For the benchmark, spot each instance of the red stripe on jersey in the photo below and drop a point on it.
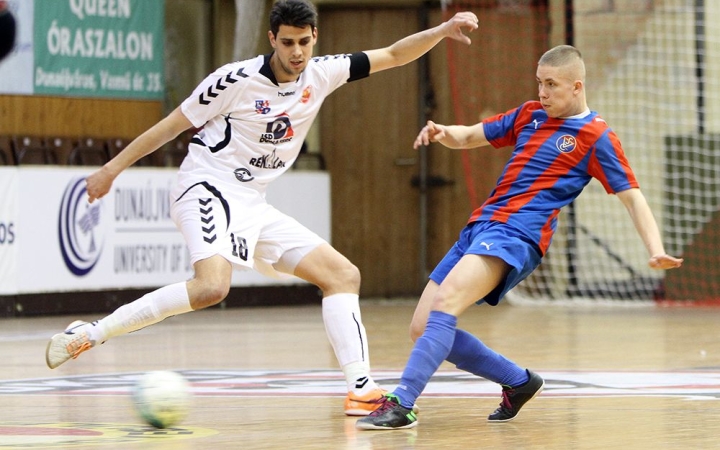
(514, 168)
(595, 170)
(546, 233)
(623, 160)
(563, 164)
(509, 139)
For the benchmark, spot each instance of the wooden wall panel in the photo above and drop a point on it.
(76, 117)
(366, 127)
(449, 205)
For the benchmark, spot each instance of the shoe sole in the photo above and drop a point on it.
(357, 412)
(364, 426)
(52, 339)
(47, 353)
(542, 386)
(365, 412)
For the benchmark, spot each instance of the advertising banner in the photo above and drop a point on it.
(59, 242)
(88, 48)
(8, 229)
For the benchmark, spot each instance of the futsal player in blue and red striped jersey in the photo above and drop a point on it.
(559, 146)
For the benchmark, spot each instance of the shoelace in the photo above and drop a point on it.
(74, 349)
(505, 403)
(387, 405)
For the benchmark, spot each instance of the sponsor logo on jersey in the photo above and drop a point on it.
(79, 229)
(244, 175)
(306, 93)
(566, 143)
(286, 94)
(278, 131)
(262, 106)
(271, 161)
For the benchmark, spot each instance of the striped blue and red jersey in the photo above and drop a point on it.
(552, 162)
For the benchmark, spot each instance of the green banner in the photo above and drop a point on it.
(99, 48)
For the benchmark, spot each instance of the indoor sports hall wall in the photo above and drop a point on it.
(641, 66)
(368, 128)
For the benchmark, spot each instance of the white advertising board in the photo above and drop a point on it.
(60, 242)
(8, 224)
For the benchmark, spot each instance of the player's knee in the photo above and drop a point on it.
(416, 330)
(352, 275)
(346, 278)
(211, 294)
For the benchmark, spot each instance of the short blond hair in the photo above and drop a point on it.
(564, 55)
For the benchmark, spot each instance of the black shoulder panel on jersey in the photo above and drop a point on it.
(266, 70)
(359, 66)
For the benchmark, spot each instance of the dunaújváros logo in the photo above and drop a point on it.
(81, 237)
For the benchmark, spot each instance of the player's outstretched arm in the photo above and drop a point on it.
(451, 136)
(414, 46)
(99, 182)
(647, 228)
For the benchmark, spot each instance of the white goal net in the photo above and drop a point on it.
(654, 76)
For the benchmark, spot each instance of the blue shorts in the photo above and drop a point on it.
(493, 239)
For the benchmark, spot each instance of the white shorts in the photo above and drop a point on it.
(243, 228)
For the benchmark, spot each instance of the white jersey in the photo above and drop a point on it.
(252, 127)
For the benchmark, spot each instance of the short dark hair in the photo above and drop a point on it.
(295, 13)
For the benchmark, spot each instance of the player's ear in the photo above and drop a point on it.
(578, 86)
(271, 38)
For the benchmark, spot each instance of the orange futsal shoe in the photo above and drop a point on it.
(363, 405)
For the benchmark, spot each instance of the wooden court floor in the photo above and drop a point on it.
(266, 378)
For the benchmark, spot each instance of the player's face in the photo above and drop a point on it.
(293, 49)
(559, 93)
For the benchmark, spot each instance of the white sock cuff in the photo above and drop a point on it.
(149, 309)
(175, 299)
(342, 303)
(341, 314)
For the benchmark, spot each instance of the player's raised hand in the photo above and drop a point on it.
(431, 132)
(453, 28)
(98, 184)
(665, 261)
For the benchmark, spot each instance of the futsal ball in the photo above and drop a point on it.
(161, 398)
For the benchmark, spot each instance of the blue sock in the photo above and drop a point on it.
(428, 353)
(468, 353)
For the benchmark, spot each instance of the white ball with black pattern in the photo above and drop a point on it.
(162, 398)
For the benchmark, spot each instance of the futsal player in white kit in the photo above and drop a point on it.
(253, 117)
